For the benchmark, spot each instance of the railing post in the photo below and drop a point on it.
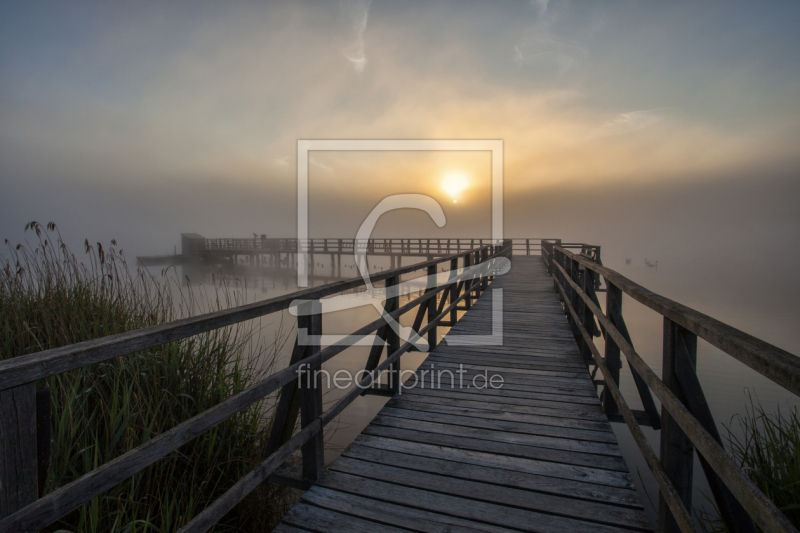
(432, 307)
(467, 281)
(453, 290)
(310, 384)
(18, 467)
(731, 511)
(572, 269)
(612, 351)
(586, 313)
(556, 243)
(392, 339)
(481, 277)
(677, 450)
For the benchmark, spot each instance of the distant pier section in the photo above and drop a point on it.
(281, 252)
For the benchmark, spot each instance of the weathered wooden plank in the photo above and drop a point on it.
(503, 437)
(397, 515)
(478, 403)
(524, 428)
(524, 499)
(319, 519)
(500, 448)
(491, 513)
(527, 418)
(551, 479)
(573, 410)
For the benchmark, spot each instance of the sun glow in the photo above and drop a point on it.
(454, 184)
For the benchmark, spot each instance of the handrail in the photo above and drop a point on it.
(726, 478)
(778, 365)
(21, 371)
(683, 516)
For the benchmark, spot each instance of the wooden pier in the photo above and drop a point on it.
(536, 454)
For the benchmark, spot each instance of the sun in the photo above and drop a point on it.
(454, 184)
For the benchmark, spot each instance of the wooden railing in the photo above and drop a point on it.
(325, 245)
(422, 246)
(23, 512)
(685, 421)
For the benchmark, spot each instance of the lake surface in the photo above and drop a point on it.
(732, 296)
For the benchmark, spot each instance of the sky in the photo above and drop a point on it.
(643, 126)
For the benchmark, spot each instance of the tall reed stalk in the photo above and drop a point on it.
(767, 446)
(50, 298)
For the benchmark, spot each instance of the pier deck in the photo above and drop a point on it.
(537, 454)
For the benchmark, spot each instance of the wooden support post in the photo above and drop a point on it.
(555, 257)
(285, 417)
(453, 290)
(310, 383)
(612, 351)
(479, 279)
(677, 450)
(467, 282)
(644, 391)
(392, 338)
(528, 246)
(18, 467)
(571, 267)
(731, 511)
(431, 307)
(484, 277)
(587, 315)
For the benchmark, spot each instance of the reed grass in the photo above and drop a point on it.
(49, 298)
(767, 447)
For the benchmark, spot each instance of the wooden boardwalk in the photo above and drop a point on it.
(537, 454)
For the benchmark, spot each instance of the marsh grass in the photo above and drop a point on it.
(49, 298)
(767, 447)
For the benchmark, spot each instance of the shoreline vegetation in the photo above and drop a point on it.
(767, 447)
(49, 297)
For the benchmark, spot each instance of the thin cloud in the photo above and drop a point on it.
(628, 122)
(540, 6)
(540, 48)
(356, 13)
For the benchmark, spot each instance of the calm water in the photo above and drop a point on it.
(768, 314)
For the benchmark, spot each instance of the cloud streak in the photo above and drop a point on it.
(628, 122)
(541, 49)
(356, 13)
